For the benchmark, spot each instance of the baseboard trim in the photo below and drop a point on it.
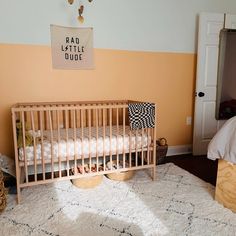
(179, 150)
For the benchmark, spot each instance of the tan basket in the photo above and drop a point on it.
(88, 182)
(121, 176)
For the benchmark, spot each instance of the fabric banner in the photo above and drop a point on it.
(72, 48)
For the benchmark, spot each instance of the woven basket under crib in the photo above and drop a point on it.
(88, 182)
(121, 176)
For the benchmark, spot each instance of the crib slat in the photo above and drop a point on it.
(24, 146)
(136, 147)
(75, 141)
(96, 123)
(34, 143)
(110, 128)
(51, 140)
(154, 150)
(117, 138)
(42, 145)
(154, 144)
(99, 116)
(104, 138)
(142, 162)
(89, 127)
(123, 137)
(67, 140)
(130, 146)
(77, 115)
(82, 139)
(59, 142)
(148, 147)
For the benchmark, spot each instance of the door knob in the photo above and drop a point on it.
(201, 94)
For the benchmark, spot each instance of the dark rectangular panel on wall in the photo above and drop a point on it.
(226, 78)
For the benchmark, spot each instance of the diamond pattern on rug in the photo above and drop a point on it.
(177, 203)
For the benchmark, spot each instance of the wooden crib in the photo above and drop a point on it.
(69, 140)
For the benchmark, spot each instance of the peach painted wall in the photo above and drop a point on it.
(164, 78)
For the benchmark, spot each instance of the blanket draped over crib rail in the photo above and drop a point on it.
(141, 115)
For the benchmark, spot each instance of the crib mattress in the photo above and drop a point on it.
(93, 143)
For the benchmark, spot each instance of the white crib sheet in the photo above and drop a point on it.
(89, 146)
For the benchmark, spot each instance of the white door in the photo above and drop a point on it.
(205, 124)
(230, 21)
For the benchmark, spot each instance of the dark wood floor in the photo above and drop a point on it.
(199, 166)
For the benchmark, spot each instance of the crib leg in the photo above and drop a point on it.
(18, 195)
(154, 173)
(18, 174)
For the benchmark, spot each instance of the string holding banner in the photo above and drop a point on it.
(72, 48)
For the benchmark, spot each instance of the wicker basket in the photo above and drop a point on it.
(161, 151)
(88, 182)
(121, 176)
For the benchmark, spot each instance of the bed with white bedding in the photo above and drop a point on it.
(223, 144)
(223, 147)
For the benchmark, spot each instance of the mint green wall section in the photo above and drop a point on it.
(142, 25)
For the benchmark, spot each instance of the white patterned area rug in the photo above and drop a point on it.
(177, 203)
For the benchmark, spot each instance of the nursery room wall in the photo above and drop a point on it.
(144, 50)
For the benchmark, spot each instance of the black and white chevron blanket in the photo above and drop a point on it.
(141, 115)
